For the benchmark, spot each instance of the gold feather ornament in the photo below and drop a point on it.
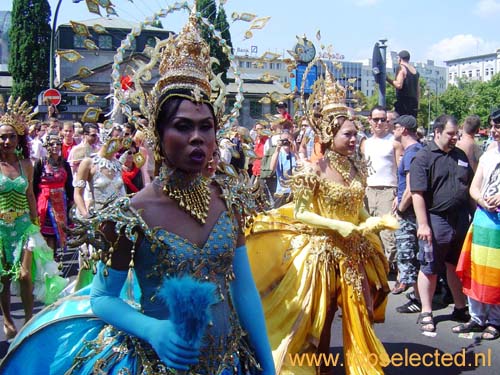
(18, 115)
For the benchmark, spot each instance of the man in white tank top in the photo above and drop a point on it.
(381, 152)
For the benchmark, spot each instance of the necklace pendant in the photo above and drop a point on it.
(193, 198)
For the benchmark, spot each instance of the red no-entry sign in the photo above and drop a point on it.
(52, 96)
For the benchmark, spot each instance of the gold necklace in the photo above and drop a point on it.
(341, 164)
(192, 196)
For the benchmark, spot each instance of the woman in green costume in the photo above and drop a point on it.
(25, 256)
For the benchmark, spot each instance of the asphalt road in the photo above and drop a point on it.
(402, 339)
(400, 335)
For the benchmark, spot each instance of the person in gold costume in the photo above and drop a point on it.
(322, 252)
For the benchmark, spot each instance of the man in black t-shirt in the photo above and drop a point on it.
(440, 176)
(406, 85)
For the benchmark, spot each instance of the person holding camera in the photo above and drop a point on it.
(283, 162)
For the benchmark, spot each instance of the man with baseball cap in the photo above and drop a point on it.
(406, 85)
(282, 108)
(405, 131)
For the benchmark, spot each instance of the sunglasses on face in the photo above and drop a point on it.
(379, 119)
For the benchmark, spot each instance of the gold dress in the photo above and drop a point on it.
(302, 272)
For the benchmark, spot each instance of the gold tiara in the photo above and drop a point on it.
(325, 105)
(18, 115)
(185, 64)
(185, 69)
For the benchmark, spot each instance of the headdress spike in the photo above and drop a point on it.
(326, 104)
(18, 115)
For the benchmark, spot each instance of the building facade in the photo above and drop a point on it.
(260, 79)
(479, 68)
(98, 61)
(5, 77)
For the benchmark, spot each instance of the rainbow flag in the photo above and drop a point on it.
(479, 263)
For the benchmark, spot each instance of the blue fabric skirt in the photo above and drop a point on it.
(66, 338)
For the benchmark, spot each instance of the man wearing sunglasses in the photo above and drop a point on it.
(382, 152)
(88, 146)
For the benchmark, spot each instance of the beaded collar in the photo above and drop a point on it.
(112, 165)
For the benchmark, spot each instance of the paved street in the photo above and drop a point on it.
(399, 334)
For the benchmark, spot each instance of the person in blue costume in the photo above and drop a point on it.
(183, 237)
(26, 258)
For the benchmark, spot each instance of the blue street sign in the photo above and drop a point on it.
(312, 75)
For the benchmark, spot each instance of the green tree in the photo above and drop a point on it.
(390, 98)
(29, 48)
(471, 97)
(222, 26)
(208, 10)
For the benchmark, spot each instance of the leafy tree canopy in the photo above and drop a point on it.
(29, 53)
(208, 10)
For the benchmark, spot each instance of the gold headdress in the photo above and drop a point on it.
(325, 106)
(185, 65)
(185, 69)
(18, 115)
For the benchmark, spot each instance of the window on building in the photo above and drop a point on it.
(241, 64)
(229, 104)
(255, 109)
(78, 41)
(271, 65)
(248, 64)
(278, 66)
(105, 42)
(151, 42)
(478, 73)
(470, 73)
(486, 72)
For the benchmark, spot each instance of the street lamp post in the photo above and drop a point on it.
(429, 111)
(383, 73)
(52, 32)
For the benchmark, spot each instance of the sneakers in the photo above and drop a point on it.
(412, 306)
(460, 315)
(411, 295)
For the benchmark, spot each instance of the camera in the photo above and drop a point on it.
(284, 142)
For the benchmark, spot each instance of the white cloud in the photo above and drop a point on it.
(461, 45)
(487, 8)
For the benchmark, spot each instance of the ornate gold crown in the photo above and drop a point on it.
(185, 64)
(325, 105)
(18, 115)
(185, 69)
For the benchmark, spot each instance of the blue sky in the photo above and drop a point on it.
(429, 29)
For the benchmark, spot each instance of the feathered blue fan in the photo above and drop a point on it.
(189, 302)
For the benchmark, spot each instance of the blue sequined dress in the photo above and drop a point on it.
(66, 338)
